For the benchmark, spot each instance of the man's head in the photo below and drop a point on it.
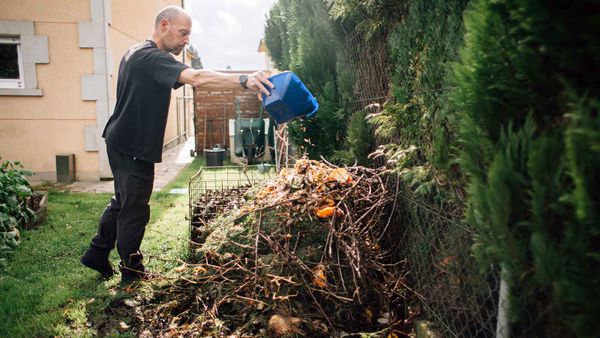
(172, 29)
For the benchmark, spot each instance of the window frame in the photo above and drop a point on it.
(19, 83)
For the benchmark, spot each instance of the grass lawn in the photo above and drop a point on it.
(45, 291)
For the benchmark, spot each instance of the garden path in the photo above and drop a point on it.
(174, 159)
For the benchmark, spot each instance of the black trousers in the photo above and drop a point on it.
(125, 217)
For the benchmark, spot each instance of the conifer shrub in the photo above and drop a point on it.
(301, 38)
(529, 125)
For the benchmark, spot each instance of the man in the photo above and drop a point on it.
(134, 136)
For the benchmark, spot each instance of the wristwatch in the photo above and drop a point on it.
(244, 81)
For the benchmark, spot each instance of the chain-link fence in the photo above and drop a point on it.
(454, 295)
(369, 61)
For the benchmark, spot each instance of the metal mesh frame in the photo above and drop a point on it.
(210, 182)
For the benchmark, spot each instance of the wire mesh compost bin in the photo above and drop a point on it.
(215, 189)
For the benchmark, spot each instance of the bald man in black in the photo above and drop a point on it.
(135, 132)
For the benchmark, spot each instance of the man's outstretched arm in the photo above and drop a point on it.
(208, 79)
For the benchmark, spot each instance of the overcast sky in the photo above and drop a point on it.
(227, 32)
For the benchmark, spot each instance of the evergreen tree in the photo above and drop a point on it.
(529, 124)
(300, 38)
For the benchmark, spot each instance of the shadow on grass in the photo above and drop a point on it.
(45, 291)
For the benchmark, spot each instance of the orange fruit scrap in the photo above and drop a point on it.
(327, 212)
(199, 270)
(320, 279)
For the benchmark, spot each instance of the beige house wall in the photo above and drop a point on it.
(47, 11)
(34, 129)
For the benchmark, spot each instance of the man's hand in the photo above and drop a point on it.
(258, 82)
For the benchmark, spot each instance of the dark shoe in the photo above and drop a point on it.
(130, 274)
(128, 280)
(103, 267)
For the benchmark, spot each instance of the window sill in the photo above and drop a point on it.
(20, 92)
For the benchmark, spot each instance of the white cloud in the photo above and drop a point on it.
(197, 27)
(230, 22)
(227, 32)
(245, 3)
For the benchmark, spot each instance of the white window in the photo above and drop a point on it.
(11, 62)
(20, 51)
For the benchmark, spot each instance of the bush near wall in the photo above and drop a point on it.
(14, 191)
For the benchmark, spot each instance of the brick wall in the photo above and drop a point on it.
(214, 108)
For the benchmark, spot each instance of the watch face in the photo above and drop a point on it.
(244, 80)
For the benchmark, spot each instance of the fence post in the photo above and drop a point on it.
(503, 324)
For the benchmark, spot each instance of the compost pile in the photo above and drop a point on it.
(309, 253)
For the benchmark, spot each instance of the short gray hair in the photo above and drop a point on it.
(169, 13)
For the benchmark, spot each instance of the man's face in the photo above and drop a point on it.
(176, 33)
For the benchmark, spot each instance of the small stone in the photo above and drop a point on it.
(123, 327)
(146, 334)
(385, 318)
(283, 325)
(130, 303)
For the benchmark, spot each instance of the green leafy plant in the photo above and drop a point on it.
(370, 17)
(417, 129)
(14, 191)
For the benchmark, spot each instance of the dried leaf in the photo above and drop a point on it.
(340, 175)
(369, 314)
(181, 268)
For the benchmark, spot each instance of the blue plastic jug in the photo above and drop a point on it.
(289, 99)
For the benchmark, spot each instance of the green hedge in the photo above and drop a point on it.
(301, 38)
(529, 129)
